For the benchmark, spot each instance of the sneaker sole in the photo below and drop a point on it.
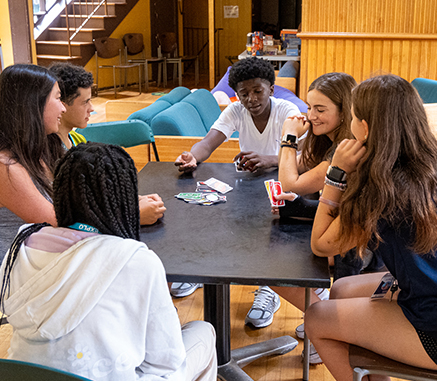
(267, 322)
(184, 294)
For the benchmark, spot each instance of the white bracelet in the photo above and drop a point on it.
(340, 186)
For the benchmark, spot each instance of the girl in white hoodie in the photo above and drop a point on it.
(87, 297)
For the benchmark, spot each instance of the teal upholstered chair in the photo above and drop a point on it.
(192, 116)
(126, 133)
(12, 370)
(148, 113)
(427, 89)
(365, 362)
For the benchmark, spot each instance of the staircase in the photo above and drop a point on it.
(52, 44)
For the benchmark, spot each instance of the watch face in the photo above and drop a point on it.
(289, 138)
(336, 174)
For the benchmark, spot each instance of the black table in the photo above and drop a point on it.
(237, 242)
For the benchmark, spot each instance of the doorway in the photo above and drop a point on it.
(271, 16)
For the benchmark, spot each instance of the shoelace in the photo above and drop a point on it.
(262, 298)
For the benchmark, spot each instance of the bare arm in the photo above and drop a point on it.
(326, 229)
(289, 164)
(201, 151)
(20, 196)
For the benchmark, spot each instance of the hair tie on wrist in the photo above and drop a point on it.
(329, 202)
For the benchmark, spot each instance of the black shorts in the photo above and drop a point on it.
(429, 342)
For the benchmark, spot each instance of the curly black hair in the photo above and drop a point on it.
(70, 79)
(250, 68)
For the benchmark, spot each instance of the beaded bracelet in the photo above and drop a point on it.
(329, 202)
(340, 186)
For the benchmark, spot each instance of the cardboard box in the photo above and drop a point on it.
(292, 52)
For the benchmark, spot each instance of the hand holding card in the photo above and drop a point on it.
(274, 188)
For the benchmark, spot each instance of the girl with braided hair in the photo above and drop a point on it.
(30, 115)
(98, 297)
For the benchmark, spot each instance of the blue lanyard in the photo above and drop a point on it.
(84, 227)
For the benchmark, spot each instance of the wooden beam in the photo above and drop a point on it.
(211, 28)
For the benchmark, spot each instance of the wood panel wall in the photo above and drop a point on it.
(368, 37)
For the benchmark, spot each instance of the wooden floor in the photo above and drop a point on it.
(287, 367)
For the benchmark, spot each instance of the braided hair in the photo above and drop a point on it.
(11, 258)
(96, 184)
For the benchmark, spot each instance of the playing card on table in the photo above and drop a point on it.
(274, 188)
(218, 185)
(202, 198)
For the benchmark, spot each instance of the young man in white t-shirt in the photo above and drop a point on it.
(258, 118)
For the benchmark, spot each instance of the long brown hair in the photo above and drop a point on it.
(24, 90)
(338, 88)
(396, 180)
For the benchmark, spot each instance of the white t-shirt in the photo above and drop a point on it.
(236, 117)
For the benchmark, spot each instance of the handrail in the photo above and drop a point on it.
(91, 14)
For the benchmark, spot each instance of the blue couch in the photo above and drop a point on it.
(427, 89)
(181, 113)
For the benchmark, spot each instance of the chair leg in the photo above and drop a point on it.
(196, 70)
(164, 74)
(139, 77)
(180, 72)
(115, 84)
(97, 74)
(155, 151)
(159, 73)
(146, 76)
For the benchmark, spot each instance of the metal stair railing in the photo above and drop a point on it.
(94, 7)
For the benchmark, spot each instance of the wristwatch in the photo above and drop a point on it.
(289, 139)
(336, 174)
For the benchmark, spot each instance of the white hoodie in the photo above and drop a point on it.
(100, 309)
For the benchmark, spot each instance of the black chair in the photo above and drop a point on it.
(169, 48)
(134, 46)
(110, 48)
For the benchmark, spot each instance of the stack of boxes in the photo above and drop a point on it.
(290, 42)
(259, 44)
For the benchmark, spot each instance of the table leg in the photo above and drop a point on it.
(216, 302)
(306, 342)
(217, 311)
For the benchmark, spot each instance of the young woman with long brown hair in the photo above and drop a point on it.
(387, 201)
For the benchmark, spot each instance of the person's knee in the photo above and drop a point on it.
(340, 288)
(313, 317)
(199, 331)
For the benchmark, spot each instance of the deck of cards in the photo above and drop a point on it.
(207, 193)
(274, 188)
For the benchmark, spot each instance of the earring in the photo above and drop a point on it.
(365, 137)
(341, 121)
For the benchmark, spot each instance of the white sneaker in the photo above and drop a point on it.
(323, 294)
(265, 304)
(314, 356)
(179, 290)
